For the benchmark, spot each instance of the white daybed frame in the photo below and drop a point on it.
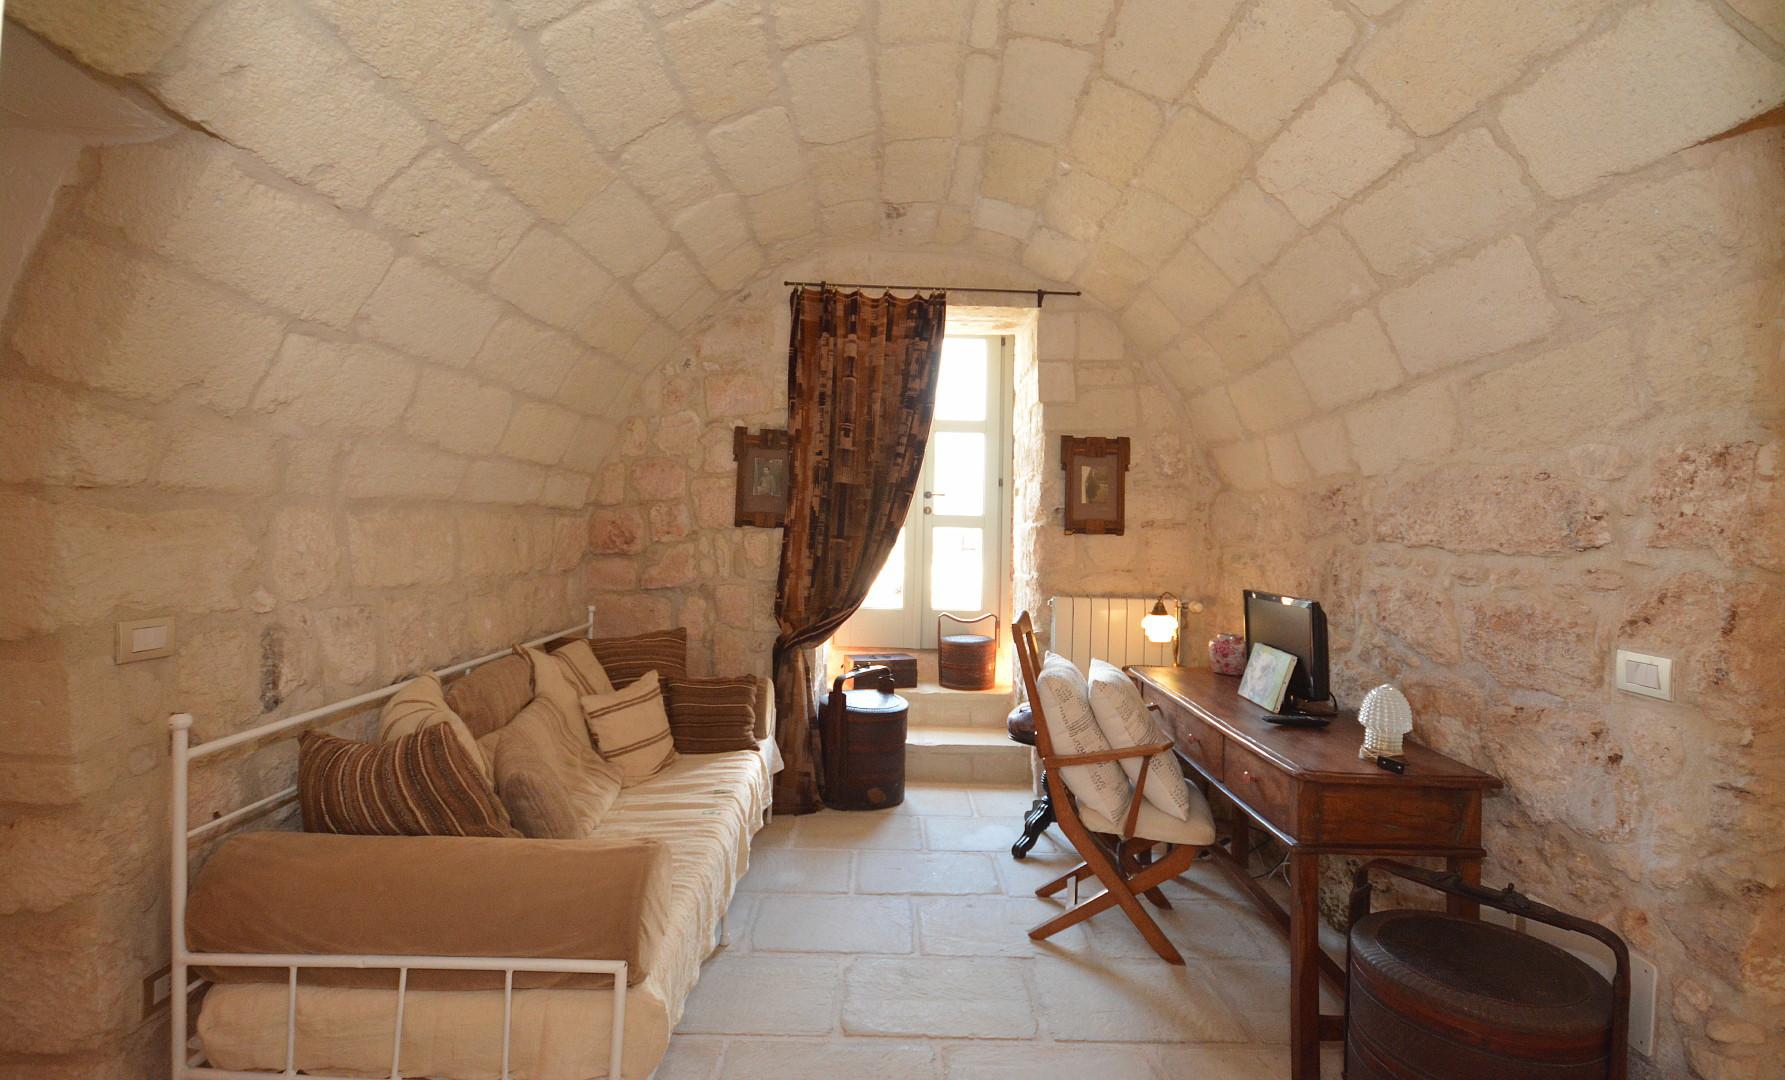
(189, 1066)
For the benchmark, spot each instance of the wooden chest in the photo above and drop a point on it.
(902, 665)
(864, 749)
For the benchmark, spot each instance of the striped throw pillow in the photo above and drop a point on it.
(712, 716)
(577, 661)
(424, 784)
(631, 729)
(626, 659)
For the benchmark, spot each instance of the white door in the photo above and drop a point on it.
(949, 556)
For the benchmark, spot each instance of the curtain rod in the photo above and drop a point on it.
(1040, 295)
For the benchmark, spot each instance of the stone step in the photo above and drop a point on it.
(959, 754)
(933, 706)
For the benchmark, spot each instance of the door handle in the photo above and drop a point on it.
(929, 494)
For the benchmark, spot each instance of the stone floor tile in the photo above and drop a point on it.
(989, 926)
(1053, 1061)
(1205, 881)
(845, 924)
(926, 798)
(1332, 1061)
(765, 995)
(690, 1058)
(970, 834)
(1092, 999)
(1226, 1062)
(798, 871)
(830, 1059)
(861, 831)
(738, 916)
(1003, 802)
(1021, 877)
(939, 997)
(1199, 930)
(1259, 993)
(915, 873)
(776, 834)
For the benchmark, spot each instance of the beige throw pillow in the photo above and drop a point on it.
(419, 703)
(1125, 721)
(631, 728)
(1072, 728)
(577, 661)
(545, 759)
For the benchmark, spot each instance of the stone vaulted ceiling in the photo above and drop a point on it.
(1276, 196)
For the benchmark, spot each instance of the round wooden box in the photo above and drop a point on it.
(967, 661)
(864, 750)
(1434, 995)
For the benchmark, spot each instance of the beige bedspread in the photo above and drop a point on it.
(704, 808)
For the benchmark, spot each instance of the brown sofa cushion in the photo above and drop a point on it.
(491, 695)
(712, 716)
(424, 784)
(280, 892)
(626, 659)
(548, 774)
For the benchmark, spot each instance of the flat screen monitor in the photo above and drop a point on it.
(1298, 627)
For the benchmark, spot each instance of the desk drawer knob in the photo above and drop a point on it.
(1190, 736)
(1248, 776)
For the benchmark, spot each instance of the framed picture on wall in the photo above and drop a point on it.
(1095, 471)
(763, 477)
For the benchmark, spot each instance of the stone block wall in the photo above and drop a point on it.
(1503, 467)
(226, 401)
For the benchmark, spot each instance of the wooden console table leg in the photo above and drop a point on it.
(1304, 966)
(1470, 870)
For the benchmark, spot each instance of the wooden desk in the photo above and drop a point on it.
(1308, 788)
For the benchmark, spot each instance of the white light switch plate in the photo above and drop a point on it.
(1640, 673)
(144, 639)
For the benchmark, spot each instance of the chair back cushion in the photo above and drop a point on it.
(631, 729)
(1125, 721)
(423, 784)
(491, 695)
(712, 716)
(419, 703)
(1072, 728)
(626, 659)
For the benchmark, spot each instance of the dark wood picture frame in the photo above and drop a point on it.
(763, 476)
(1096, 485)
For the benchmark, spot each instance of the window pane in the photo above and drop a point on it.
(960, 388)
(888, 592)
(957, 569)
(959, 472)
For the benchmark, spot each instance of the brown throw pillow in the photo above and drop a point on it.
(424, 784)
(631, 729)
(626, 659)
(712, 716)
(490, 696)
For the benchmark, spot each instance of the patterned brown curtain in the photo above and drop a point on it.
(861, 387)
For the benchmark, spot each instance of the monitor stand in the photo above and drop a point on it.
(1298, 713)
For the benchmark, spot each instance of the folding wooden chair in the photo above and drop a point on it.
(1122, 860)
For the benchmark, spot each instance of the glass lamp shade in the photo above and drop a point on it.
(1158, 626)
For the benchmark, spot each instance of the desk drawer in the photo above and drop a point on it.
(1195, 737)
(1263, 787)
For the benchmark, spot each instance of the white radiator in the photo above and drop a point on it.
(1107, 628)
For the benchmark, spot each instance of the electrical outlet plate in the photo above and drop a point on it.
(157, 988)
(1644, 977)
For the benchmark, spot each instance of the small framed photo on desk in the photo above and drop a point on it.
(1267, 676)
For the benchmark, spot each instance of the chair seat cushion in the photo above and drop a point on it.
(1155, 824)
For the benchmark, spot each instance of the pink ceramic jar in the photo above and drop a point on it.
(1227, 654)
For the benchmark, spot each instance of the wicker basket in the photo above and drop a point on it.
(967, 661)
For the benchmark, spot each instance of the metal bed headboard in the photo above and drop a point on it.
(182, 959)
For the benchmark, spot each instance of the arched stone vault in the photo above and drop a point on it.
(1470, 311)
